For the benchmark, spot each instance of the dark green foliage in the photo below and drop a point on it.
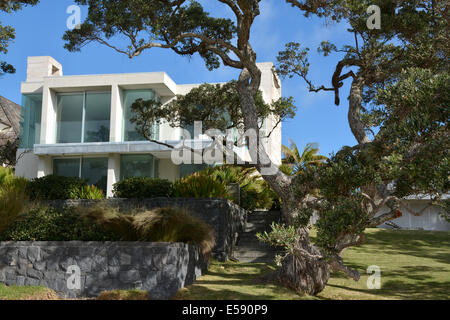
(161, 21)
(216, 106)
(344, 216)
(140, 188)
(53, 187)
(49, 224)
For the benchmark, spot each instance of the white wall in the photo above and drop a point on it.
(169, 171)
(27, 164)
(430, 219)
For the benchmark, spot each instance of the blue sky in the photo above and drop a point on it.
(39, 32)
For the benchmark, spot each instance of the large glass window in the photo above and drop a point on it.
(94, 170)
(83, 117)
(138, 165)
(30, 122)
(129, 129)
(97, 118)
(70, 118)
(66, 167)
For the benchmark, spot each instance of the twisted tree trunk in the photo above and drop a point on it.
(305, 270)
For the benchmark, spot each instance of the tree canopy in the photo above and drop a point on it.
(217, 106)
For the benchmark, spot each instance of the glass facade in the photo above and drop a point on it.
(83, 117)
(129, 129)
(188, 169)
(30, 122)
(94, 170)
(138, 165)
(66, 167)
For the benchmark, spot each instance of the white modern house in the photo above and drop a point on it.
(80, 125)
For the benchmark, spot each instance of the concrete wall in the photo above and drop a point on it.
(168, 170)
(27, 164)
(159, 268)
(226, 218)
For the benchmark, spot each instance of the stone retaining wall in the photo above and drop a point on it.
(226, 218)
(159, 268)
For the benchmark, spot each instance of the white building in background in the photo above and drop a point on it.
(80, 125)
(419, 214)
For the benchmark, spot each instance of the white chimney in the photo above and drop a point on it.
(40, 67)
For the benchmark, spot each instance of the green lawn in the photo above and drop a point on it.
(414, 265)
(26, 293)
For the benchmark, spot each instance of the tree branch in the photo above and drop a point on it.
(337, 264)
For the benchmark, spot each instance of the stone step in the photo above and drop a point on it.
(267, 257)
(249, 248)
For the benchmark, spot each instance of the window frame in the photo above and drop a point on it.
(80, 163)
(83, 116)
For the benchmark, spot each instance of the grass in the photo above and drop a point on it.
(414, 265)
(124, 295)
(26, 293)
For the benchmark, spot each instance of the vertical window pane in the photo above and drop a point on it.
(136, 165)
(130, 96)
(70, 116)
(66, 167)
(97, 117)
(95, 171)
(30, 122)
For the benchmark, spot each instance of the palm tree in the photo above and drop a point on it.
(295, 162)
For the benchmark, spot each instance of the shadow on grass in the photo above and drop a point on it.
(418, 243)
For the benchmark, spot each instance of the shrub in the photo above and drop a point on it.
(139, 188)
(174, 225)
(158, 225)
(91, 193)
(49, 224)
(254, 191)
(6, 176)
(53, 187)
(200, 186)
(110, 220)
(13, 199)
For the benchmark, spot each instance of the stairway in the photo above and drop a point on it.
(248, 247)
